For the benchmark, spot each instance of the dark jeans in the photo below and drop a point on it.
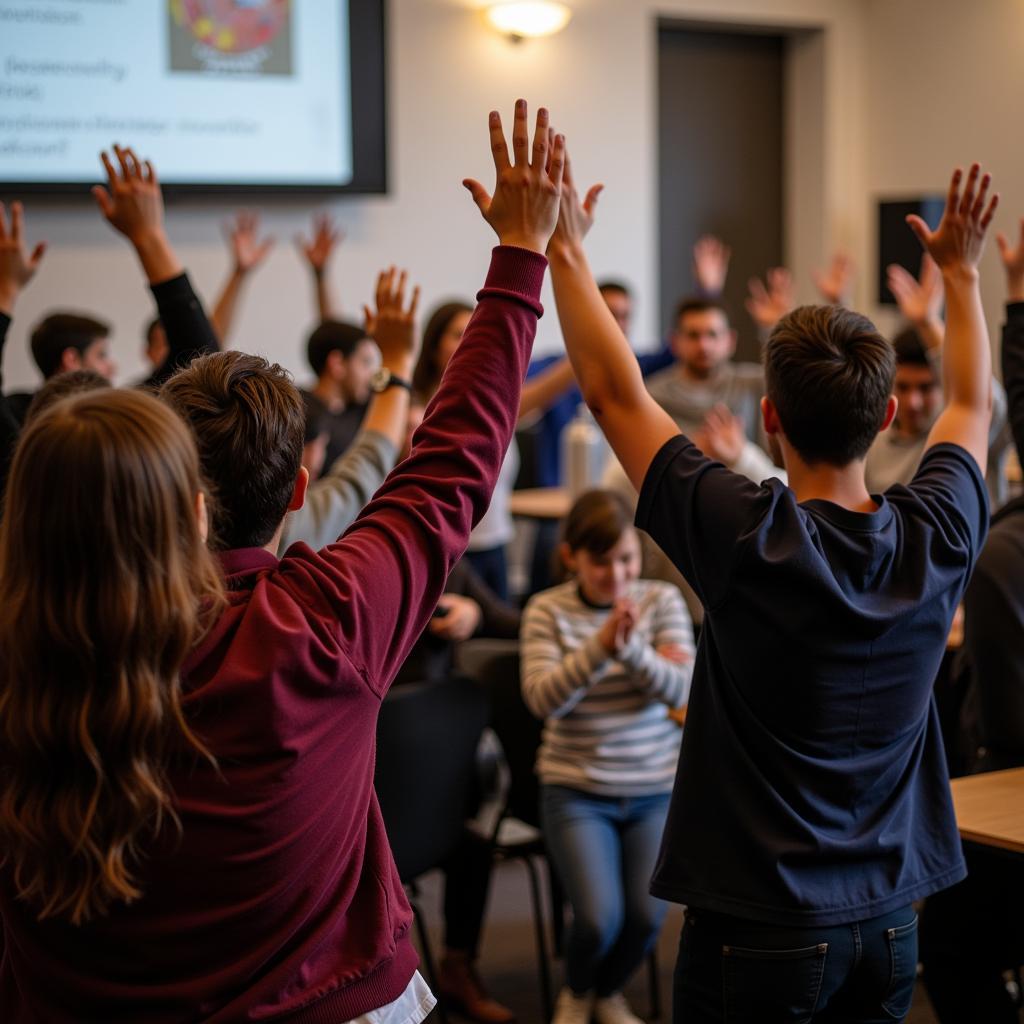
(492, 567)
(731, 970)
(970, 934)
(467, 881)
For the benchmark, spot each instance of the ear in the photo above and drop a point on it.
(567, 557)
(70, 359)
(770, 417)
(202, 519)
(336, 366)
(299, 491)
(890, 412)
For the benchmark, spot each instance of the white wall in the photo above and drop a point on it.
(446, 71)
(945, 87)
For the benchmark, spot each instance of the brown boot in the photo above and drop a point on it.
(461, 986)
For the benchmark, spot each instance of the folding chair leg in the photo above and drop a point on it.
(428, 958)
(543, 962)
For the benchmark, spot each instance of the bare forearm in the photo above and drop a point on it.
(546, 387)
(966, 357)
(159, 262)
(603, 362)
(227, 304)
(325, 305)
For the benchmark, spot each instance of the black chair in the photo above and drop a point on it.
(495, 665)
(427, 736)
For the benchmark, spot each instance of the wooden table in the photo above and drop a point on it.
(990, 808)
(541, 503)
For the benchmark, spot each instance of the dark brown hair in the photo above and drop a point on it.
(105, 587)
(59, 332)
(427, 375)
(911, 350)
(249, 423)
(333, 336)
(63, 385)
(829, 374)
(596, 521)
(695, 304)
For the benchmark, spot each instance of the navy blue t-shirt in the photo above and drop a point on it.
(812, 786)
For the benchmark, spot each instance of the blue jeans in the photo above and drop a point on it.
(604, 849)
(733, 970)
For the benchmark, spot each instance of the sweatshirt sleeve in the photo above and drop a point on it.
(1013, 369)
(334, 501)
(188, 329)
(377, 586)
(653, 675)
(554, 681)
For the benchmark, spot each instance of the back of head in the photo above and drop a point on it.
(249, 424)
(105, 587)
(829, 374)
(64, 385)
(61, 331)
(332, 336)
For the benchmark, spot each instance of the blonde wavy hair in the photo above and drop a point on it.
(105, 586)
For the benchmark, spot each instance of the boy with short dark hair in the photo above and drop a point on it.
(811, 806)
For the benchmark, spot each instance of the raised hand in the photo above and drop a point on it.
(959, 240)
(17, 265)
(919, 299)
(834, 284)
(722, 436)
(523, 210)
(393, 324)
(326, 237)
(710, 264)
(1013, 264)
(575, 218)
(132, 201)
(247, 251)
(768, 305)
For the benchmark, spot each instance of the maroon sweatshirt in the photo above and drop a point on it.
(280, 900)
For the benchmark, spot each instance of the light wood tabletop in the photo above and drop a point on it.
(990, 808)
(541, 503)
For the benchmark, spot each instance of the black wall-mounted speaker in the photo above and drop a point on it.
(897, 243)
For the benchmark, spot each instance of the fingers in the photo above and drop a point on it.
(758, 292)
(134, 163)
(109, 168)
(541, 140)
(978, 206)
(986, 219)
(1005, 252)
(368, 319)
(967, 199)
(558, 161)
(122, 159)
(103, 200)
(520, 135)
(590, 203)
(414, 303)
(3, 222)
(17, 220)
(918, 226)
(480, 195)
(953, 197)
(499, 148)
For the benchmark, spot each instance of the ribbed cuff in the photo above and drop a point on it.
(515, 274)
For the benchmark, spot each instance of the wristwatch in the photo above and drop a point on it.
(384, 379)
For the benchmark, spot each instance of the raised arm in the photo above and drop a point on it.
(711, 258)
(920, 300)
(317, 254)
(605, 366)
(1013, 333)
(547, 387)
(17, 268)
(133, 205)
(956, 246)
(835, 282)
(247, 253)
(384, 577)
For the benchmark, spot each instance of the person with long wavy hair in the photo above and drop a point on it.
(105, 587)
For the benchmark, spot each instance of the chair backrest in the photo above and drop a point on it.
(496, 667)
(427, 737)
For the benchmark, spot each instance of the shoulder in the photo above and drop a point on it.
(562, 598)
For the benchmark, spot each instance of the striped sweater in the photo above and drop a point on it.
(607, 729)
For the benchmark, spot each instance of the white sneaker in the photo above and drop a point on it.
(614, 1010)
(572, 1009)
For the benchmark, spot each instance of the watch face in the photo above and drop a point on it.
(380, 380)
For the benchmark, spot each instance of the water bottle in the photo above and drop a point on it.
(583, 453)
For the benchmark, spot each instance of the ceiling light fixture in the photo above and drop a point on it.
(529, 20)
